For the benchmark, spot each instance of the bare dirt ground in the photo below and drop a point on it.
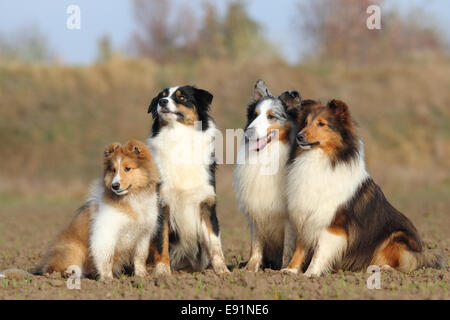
(28, 226)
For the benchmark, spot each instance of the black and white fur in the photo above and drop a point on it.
(184, 153)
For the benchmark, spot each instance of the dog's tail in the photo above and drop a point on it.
(430, 258)
(16, 274)
(425, 258)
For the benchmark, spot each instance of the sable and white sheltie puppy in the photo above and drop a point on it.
(182, 140)
(114, 227)
(338, 210)
(260, 176)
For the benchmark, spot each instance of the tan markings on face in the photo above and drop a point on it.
(110, 169)
(164, 94)
(282, 131)
(190, 114)
(317, 130)
(132, 175)
(257, 111)
(135, 174)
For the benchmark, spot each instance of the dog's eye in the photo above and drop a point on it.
(127, 169)
(113, 170)
(321, 124)
(271, 117)
(182, 98)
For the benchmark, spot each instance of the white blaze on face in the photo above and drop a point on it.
(172, 104)
(257, 130)
(116, 178)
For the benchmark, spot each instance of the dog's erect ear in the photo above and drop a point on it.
(203, 97)
(110, 149)
(291, 99)
(260, 90)
(339, 108)
(153, 107)
(137, 149)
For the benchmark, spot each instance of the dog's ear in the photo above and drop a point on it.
(260, 90)
(110, 149)
(291, 99)
(339, 109)
(152, 108)
(137, 149)
(203, 98)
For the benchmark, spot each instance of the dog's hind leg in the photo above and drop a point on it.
(211, 235)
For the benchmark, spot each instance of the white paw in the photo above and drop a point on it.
(289, 270)
(106, 277)
(162, 269)
(221, 268)
(311, 273)
(253, 266)
(386, 267)
(140, 272)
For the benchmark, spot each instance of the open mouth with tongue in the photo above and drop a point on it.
(260, 143)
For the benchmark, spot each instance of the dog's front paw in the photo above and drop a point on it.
(312, 273)
(289, 270)
(221, 269)
(141, 272)
(253, 265)
(107, 277)
(162, 270)
(386, 267)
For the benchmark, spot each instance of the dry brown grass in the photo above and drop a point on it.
(55, 120)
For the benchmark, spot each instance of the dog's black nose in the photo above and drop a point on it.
(115, 186)
(301, 137)
(163, 102)
(294, 94)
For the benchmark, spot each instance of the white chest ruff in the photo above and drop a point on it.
(260, 181)
(183, 155)
(111, 225)
(316, 190)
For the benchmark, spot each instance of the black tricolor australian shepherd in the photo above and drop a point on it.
(182, 140)
(337, 209)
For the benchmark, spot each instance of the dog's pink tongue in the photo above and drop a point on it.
(258, 144)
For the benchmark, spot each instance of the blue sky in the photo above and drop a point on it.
(115, 18)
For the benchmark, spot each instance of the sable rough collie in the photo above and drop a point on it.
(260, 176)
(182, 140)
(114, 227)
(337, 209)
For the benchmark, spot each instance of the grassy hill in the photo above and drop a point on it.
(55, 120)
